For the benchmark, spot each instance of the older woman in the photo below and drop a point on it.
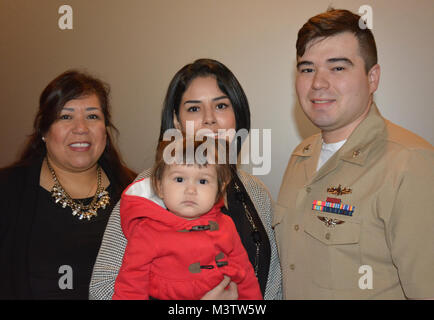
(207, 94)
(58, 196)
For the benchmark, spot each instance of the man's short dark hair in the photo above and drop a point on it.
(333, 22)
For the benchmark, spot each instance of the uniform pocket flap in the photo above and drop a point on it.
(332, 230)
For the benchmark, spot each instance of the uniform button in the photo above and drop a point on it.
(327, 236)
(308, 189)
(356, 153)
(292, 266)
(296, 227)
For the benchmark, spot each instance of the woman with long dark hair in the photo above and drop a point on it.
(58, 195)
(207, 94)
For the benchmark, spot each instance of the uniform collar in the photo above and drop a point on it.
(309, 146)
(355, 150)
(309, 151)
(369, 132)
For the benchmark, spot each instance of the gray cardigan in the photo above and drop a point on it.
(113, 245)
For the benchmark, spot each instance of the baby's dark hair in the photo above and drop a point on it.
(223, 170)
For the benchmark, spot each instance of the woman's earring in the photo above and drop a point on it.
(43, 139)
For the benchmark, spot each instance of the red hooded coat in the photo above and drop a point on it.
(171, 258)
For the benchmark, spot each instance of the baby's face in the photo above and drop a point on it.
(189, 191)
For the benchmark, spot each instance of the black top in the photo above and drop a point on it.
(21, 211)
(63, 248)
(237, 197)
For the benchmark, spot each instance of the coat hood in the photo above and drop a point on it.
(139, 202)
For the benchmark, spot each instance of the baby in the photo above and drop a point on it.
(182, 252)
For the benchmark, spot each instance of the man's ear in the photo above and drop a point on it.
(374, 78)
(176, 122)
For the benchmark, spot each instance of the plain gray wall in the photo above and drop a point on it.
(138, 45)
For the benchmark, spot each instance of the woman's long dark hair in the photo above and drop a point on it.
(71, 85)
(226, 81)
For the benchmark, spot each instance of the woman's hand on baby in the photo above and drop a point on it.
(225, 290)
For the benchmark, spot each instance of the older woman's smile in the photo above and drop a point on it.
(80, 146)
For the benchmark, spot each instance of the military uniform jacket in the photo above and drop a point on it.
(171, 258)
(362, 227)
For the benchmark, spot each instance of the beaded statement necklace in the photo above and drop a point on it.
(100, 199)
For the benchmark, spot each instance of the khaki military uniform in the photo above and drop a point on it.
(378, 242)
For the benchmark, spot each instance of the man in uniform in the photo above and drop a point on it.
(355, 213)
